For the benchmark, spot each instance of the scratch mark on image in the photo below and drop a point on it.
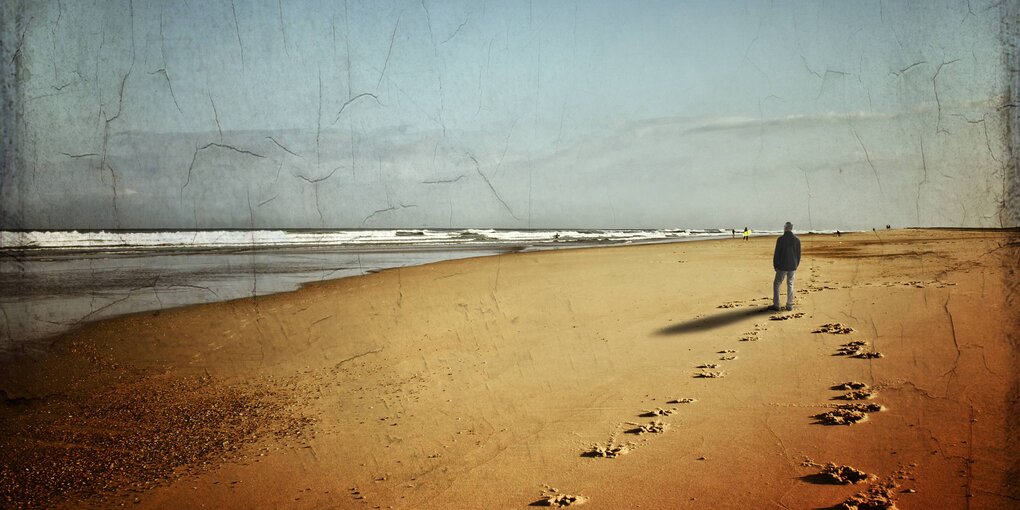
(444, 181)
(389, 52)
(457, 31)
(278, 144)
(867, 157)
(351, 100)
(320, 179)
(478, 169)
(938, 101)
(283, 27)
(237, 30)
(216, 117)
(388, 209)
(212, 145)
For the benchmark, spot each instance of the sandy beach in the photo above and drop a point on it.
(632, 377)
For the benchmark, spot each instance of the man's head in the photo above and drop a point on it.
(788, 227)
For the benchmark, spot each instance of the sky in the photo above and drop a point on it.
(314, 114)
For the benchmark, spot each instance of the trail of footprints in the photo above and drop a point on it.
(855, 405)
(613, 447)
(854, 408)
(855, 412)
(879, 494)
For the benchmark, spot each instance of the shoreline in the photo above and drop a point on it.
(66, 312)
(473, 382)
(56, 241)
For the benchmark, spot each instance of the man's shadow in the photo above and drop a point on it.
(712, 321)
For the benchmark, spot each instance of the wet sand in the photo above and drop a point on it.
(44, 293)
(623, 377)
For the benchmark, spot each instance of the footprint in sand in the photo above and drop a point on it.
(848, 414)
(851, 348)
(880, 496)
(869, 355)
(682, 401)
(832, 473)
(862, 394)
(840, 416)
(608, 451)
(708, 365)
(834, 329)
(658, 411)
(727, 355)
(655, 427)
(752, 336)
(856, 349)
(554, 498)
(780, 317)
(861, 406)
(710, 374)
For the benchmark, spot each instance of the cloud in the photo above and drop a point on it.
(688, 125)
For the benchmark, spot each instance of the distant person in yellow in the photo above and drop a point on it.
(747, 233)
(785, 261)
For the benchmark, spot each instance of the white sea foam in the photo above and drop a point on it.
(217, 239)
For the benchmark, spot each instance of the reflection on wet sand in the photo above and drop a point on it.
(45, 294)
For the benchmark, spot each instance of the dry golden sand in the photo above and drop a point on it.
(484, 383)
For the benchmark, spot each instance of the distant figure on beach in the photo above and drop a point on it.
(785, 261)
(837, 233)
(733, 233)
(747, 233)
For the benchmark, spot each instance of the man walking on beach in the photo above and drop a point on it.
(785, 261)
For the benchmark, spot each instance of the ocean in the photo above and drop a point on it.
(54, 281)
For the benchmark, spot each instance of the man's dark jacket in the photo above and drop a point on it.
(787, 256)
